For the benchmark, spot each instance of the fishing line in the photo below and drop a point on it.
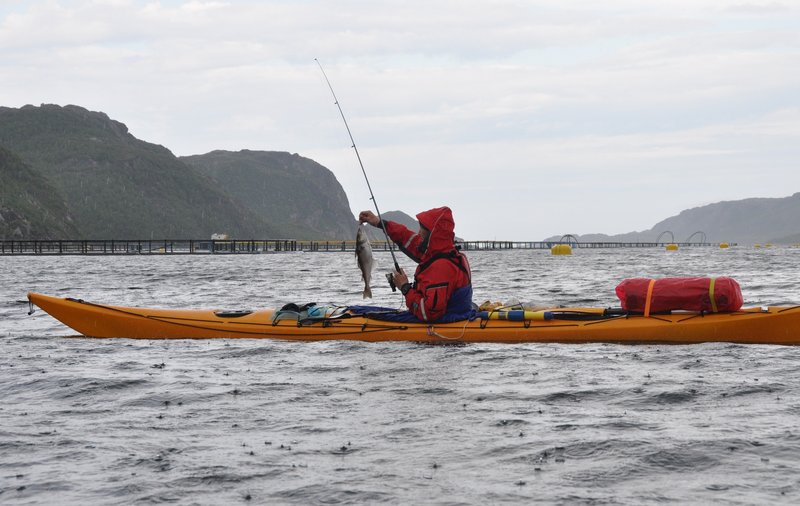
(363, 171)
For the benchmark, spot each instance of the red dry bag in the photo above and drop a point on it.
(715, 295)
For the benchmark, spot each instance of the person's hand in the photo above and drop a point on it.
(369, 217)
(400, 279)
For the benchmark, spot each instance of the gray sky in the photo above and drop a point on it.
(528, 119)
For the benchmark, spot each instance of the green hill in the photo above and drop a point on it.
(302, 199)
(117, 186)
(29, 205)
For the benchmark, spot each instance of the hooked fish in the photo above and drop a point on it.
(364, 257)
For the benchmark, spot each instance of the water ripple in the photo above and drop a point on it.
(259, 422)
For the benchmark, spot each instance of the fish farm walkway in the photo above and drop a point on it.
(231, 246)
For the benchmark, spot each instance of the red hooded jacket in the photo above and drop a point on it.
(442, 268)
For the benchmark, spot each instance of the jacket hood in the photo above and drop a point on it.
(442, 227)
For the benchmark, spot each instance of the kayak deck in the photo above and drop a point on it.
(773, 325)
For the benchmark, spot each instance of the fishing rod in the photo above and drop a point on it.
(363, 171)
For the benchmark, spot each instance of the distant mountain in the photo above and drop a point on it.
(747, 221)
(116, 186)
(408, 221)
(301, 198)
(29, 205)
(743, 221)
(376, 234)
(401, 218)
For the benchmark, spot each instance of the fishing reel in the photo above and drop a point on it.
(390, 279)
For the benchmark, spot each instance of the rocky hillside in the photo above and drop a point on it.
(115, 186)
(301, 198)
(29, 205)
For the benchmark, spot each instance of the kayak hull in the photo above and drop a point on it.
(773, 325)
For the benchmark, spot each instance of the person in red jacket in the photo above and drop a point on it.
(442, 288)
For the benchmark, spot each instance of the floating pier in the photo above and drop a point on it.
(250, 246)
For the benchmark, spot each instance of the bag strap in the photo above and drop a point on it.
(711, 295)
(649, 298)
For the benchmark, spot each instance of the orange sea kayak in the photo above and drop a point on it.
(773, 325)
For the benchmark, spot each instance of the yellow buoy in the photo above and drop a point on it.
(561, 249)
(672, 247)
(724, 245)
(757, 246)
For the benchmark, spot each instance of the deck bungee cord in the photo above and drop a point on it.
(231, 321)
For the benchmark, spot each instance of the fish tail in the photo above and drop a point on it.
(367, 292)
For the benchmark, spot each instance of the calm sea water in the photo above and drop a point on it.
(270, 422)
